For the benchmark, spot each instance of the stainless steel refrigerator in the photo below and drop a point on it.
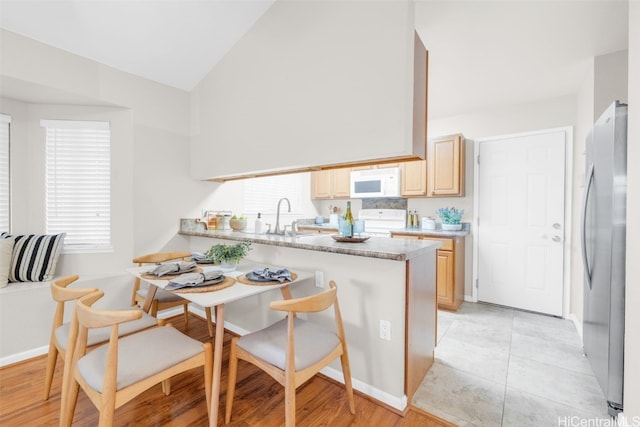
(603, 251)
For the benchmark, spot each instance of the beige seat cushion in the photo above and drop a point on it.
(99, 335)
(161, 295)
(312, 342)
(140, 356)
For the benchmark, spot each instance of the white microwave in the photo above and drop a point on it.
(375, 183)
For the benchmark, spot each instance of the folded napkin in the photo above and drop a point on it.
(200, 258)
(172, 268)
(190, 280)
(266, 274)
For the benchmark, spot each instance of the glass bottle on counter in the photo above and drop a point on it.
(348, 222)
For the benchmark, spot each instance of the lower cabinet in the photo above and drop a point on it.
(449, 269)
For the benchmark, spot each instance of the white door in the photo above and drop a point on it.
(521, 193)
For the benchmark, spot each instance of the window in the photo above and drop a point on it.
(78, 183)
(5, 177)
(262, 194)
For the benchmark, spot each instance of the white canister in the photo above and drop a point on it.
(333, 219)
(428, 223)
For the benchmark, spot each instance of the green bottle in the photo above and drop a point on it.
(348, 218)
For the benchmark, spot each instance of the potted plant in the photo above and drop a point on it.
(227, 256)
(451, 218)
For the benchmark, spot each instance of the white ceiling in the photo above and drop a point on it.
(482, 54)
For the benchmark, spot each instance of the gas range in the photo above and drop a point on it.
(380, 222)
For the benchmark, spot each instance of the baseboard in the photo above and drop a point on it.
(468, 298)
(399, 403)
(20, 357)
(577, 323)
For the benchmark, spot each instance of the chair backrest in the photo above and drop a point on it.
(61, 294)
(314, 303)
(161, 257)
(87, 317)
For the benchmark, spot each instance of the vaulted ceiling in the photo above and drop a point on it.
(483, 54)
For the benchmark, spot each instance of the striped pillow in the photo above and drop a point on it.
(35, 257)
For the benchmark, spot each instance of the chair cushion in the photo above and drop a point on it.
(99, 335)
(161, 295)
(140, 356)
(312, 342)
(35, 257)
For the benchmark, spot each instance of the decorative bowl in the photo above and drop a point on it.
(452, 227)
(238, 224)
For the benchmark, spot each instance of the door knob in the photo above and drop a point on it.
(556, 238)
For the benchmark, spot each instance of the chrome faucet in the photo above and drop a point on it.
(277, 230)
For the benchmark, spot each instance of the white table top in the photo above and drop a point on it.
(232, 293)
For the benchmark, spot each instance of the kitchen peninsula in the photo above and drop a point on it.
(382, 279)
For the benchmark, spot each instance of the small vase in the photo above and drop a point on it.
(452, 227)
(227, 266)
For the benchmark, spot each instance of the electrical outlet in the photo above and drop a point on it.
(319, 279)
(385, 330)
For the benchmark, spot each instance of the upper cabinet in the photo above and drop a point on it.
(441, 175)
(445, 166)
(331, 184)
(413, 177)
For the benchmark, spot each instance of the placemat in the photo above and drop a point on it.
(169, 276)
(228, 281)
(243, 279)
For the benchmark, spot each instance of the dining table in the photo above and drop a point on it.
(217, 299)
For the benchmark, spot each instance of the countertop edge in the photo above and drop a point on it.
(324, 243)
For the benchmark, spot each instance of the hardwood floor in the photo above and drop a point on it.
(259, 400)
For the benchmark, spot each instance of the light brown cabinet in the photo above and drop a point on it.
(331, 184)
(413, 178)
(445, 166)
(441, 175)
(449, 269)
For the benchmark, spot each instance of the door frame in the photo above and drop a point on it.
(568, 187)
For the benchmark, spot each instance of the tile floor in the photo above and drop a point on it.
(497, 366)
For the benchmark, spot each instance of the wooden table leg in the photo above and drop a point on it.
(151, 293)
(217, 366)
(286, 292)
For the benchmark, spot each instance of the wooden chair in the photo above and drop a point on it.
(112, 374)
(163, 299)
(58, 342)
(293, 350)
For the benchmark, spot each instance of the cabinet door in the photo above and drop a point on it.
(446, 166)
(445, 278)
(321, 182)
(342, 183)
(413, 176)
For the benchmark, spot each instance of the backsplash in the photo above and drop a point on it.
(385, 203)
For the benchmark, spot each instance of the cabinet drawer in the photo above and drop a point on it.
(447, 244)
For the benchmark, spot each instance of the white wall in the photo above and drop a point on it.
(336, 76)
(632, 332)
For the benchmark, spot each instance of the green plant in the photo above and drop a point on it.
(450, 215)
(228, 253)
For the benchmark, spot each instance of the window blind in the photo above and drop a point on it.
(78, 183)
(262, 194)
(5, 173)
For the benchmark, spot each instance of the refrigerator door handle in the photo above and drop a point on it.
(585, 201)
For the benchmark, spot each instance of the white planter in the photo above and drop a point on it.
(452, 227)
(226, 267)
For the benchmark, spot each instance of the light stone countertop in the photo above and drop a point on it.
(376, 247)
